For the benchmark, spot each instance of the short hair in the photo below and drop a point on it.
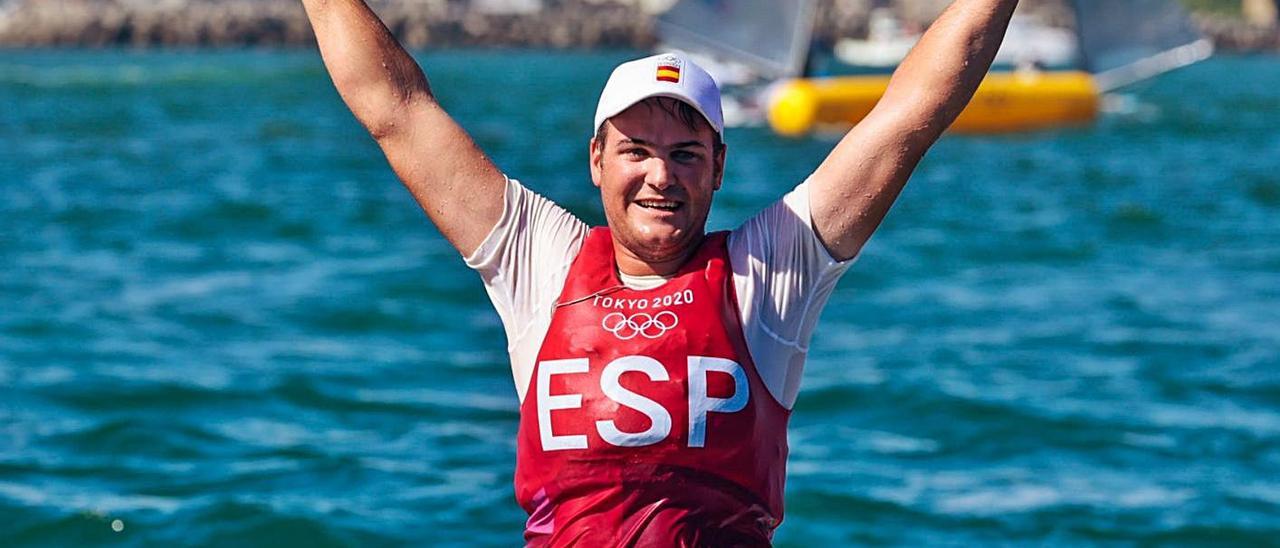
(682, 111)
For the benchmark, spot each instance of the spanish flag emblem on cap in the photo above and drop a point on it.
(669, 70)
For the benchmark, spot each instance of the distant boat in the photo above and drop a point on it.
(746, 45)
(887, 42)
(1026, 43)
(769, 37)
(1125, 42)
(760, 48)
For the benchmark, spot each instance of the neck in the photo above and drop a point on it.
(633, 265)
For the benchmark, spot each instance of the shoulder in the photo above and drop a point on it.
(530, 224)
(782, 231)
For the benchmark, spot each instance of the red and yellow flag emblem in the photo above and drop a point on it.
(669, 72)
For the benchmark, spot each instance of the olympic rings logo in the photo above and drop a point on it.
(649, 326)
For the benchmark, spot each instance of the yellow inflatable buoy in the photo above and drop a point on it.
(1004, 102)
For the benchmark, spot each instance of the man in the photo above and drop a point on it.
(656, 364)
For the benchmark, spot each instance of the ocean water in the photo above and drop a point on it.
(223, 322)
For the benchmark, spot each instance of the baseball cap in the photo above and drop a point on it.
(671, 75)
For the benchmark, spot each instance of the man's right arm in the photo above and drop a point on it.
(453, 181)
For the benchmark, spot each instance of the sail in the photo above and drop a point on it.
(770, 36)
(1124, 41)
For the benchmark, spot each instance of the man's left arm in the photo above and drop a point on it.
(853, 189)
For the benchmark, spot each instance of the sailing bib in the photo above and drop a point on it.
(646, 422)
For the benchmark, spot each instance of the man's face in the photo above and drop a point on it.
(656, 177)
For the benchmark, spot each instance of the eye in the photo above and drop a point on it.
(685, 156)
(635, 152)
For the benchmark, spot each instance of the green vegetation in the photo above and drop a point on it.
(1220, 7)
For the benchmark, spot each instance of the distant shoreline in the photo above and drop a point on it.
(571, 24)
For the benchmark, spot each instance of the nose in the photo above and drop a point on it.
(657, 173)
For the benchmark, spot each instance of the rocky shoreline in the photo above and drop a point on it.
(1235, 35)
(423, 23)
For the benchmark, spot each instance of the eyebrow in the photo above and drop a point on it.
(642, 142)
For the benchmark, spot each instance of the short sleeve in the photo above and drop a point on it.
(523, 262)
(783, 275)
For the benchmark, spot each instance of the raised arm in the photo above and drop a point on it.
(853, 189)
(452, 180)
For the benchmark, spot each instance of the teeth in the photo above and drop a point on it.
(659, 204)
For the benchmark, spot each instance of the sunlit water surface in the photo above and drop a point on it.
(223, 322)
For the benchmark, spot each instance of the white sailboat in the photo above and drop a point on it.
(760, 47)
(1027, 42)
(746, 45)
(770, 37)
(1126, 42)
(887, 42)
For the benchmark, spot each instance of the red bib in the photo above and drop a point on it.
(646, 422)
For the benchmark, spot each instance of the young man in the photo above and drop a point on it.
(656, 364)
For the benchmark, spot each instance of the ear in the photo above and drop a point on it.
(719, 160)
(596, 156)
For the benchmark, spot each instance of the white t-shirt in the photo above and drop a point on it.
(781, 271)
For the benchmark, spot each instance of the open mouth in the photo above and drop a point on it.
(660, 205)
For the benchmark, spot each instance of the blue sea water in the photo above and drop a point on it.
(223, 322)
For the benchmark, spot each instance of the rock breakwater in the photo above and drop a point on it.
(101, 23)
(421, 23)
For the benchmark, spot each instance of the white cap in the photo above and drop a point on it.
(664, 75)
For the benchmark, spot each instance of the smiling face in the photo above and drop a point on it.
(657, 172)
